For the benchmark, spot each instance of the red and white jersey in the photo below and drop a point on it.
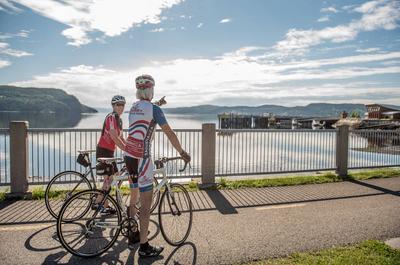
(112, 121)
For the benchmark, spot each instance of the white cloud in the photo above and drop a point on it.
(9, 7)
(15, 53)
(109, 17)
(324, 19)
(4, 63)
(240, 75)
(330, 9)
(225, 20)
(4, 49)
(157, 30)
(77, 35)
(376, 15)
(369, 6)
(348, 7)
(3, 45)
(21, 34)
(199, 25)
(368, 50)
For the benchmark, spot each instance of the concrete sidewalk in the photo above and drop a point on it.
(230, 226)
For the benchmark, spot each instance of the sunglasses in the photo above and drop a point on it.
(119, 104)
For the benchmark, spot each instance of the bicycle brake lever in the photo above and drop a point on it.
(184, 167)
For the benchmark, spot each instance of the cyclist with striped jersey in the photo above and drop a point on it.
(143, 119)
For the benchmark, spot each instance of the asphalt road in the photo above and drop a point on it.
(237, 226)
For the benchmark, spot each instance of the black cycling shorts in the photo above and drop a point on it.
(132, 164)
(104, 152)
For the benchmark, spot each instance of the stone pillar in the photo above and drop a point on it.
(342, 150)
(19, 159)
(208, 155)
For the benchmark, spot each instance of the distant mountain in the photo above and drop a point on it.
(311, 110)
(43, 100)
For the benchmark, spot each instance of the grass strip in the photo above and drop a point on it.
(369, 252)
(302, 180)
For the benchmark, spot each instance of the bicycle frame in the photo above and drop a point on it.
(116, 183)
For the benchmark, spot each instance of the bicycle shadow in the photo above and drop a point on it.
(184, 254)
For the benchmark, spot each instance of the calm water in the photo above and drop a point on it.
(95, 120)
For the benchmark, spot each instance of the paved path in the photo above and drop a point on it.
(230, 227)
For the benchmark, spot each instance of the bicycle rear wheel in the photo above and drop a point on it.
(62, 187)
(93, 233)
(175, 214)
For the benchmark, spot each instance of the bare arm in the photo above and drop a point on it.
(172, 137)
(118, 140)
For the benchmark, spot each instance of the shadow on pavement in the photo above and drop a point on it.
(184, 254)
(369, 185)
(29, 243)
(220, 202)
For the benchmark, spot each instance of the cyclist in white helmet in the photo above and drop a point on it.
(143, 118)
(111, 136)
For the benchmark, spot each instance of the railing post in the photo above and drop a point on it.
(19, 158)
(342, 150)
(208, 155)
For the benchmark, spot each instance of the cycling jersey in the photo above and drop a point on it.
(112, 121)
(143, 118)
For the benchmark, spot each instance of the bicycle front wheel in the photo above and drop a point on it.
(93, 233)
(62, 187)
(175, 214)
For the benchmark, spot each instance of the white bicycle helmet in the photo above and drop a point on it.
(144, 81)
(117, 99)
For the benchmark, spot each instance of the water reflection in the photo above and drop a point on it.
(41, 120)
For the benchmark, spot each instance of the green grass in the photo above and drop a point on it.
(38, 193)
(301, 180)
(370, 252)
(377, 173)
(2, 196)
(286, 181)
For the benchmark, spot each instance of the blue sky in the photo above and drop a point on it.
(206, 52)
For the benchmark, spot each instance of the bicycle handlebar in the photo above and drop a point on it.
(159, 163)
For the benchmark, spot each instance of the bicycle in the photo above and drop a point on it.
(102, 231)
(67, 183)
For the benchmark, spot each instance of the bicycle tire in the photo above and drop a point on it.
(60, 223)
(55, 208)
(175, 193)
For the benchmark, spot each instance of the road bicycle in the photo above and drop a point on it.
(84, 231)
(67, 183)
